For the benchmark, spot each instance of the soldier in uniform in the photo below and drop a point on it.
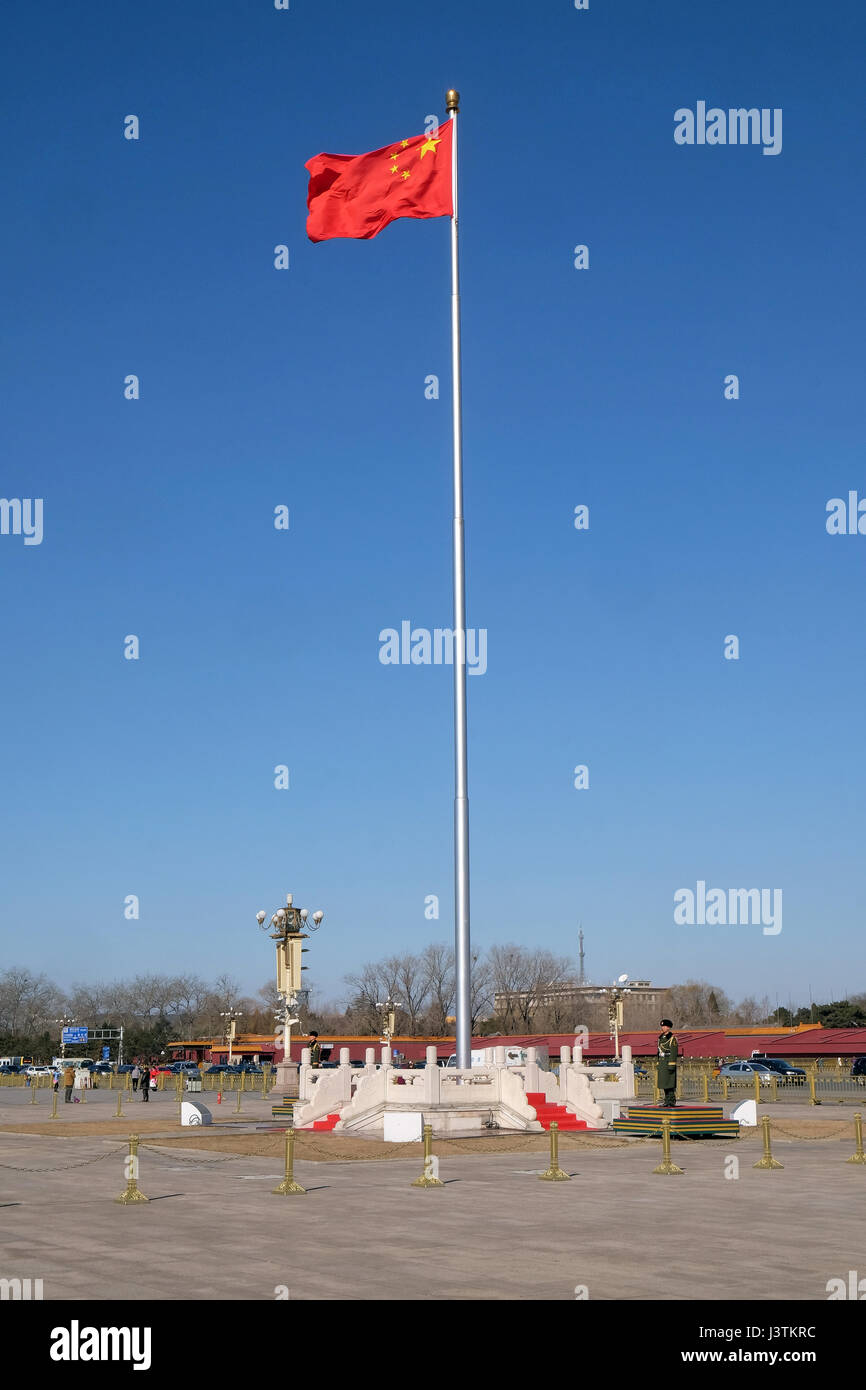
(315, 1049)
(666, 1075)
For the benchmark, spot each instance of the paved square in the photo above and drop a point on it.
(213, 1230)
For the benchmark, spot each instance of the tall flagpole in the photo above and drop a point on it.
(461, 775)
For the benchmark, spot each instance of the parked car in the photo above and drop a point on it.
(858, 1068)
(783, 1069)
(746, 1071)
(38, 1070)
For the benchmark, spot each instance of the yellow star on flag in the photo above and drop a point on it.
(405, 143)
(429, 144)
(405, 173)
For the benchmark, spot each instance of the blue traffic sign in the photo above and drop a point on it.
(73, 1035)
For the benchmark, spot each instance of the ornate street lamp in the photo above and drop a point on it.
(288, 928)
(388, 1011)
(229, 1030)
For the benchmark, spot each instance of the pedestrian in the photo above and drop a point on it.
(145, 1083)
(55, 1079)
(135, 1074)
(315, 1049)
(666, 1076)
(68, 1083)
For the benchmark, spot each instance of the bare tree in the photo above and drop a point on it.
(698, 1004)
(366, 992)
(437, 961)
(27, 1001)
(480, 990)
(525, 982)
(409, 986)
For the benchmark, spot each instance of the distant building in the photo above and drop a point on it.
(640, 993)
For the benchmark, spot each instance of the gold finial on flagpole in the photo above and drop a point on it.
(452, 100)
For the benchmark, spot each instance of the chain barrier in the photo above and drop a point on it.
(197, 1162)
(61, 1167)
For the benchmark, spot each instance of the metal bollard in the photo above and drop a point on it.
(288, 1185)
(706, 1085)
(554, 1172)
(774, 1088)
(118, 1114)
(666, 1165)
(767, 1160)
(132, 1193)
(858, 1156)
(724, 1088)
(428, 1178)
(238, 1106)
(757, 1076)
(33, 1090)
(813, 1098)
(54, 1106)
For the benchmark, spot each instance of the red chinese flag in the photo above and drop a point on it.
(356, 195)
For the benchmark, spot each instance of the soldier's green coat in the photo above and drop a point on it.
(669, 1051)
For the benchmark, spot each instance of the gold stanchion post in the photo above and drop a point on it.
(554, 1173)
(667, 1165)
(288, 1186)
(757, 1075)
(858, 1156)
(238, 1106)
(118, 1114)
(428, 1178)
(54, 1105)
(767, 1160)
(132, 1193)
(706, 1085)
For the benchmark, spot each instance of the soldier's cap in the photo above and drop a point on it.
(666, 1023)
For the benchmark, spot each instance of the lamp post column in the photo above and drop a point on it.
(288, 927)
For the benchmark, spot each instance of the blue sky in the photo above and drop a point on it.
(306, 388)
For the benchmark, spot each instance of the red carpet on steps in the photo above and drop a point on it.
(546, 1111)
(327, 1123)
